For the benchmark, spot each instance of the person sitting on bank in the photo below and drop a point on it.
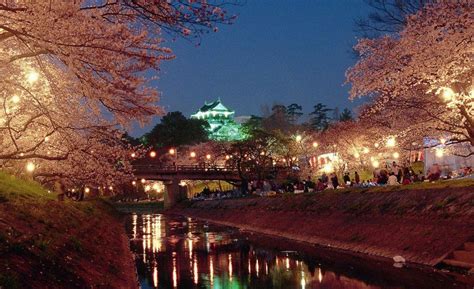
(392, 180)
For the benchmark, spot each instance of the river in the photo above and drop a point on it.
(179, 252)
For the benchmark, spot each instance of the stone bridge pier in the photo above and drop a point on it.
(174, 192)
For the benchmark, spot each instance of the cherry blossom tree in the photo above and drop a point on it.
(361, 145)
(421, 80)
(73, 76)
(104, 47)
(56, 138)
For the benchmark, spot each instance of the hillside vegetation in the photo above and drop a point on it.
(45, 243)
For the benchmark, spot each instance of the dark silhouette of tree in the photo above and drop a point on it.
(335, 114)
(177, 130)
(277, 120)
(320, 119)
(387, 16)
(130, 139)
(346, 115)
(294, 112)
(279, 109)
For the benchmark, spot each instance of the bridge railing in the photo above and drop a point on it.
(154, 168)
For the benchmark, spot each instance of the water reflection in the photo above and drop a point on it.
(175, 252)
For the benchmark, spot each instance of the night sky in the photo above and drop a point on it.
(278, 51)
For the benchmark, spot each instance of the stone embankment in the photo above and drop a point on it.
(423, 226)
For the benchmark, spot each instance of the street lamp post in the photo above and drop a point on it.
(173, 152)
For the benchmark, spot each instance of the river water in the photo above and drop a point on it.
(178, 252)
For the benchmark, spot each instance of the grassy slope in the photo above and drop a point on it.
(49, 244)
(442, 184)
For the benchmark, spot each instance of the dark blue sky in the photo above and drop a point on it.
(278, 51)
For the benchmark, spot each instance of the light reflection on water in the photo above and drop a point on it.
(178, 252)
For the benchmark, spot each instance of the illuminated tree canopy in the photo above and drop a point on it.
(421, 80)
(73, 78)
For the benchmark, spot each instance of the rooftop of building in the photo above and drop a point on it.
(216, 105)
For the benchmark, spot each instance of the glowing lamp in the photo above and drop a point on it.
(227, 157)
(87, 190)
(192, 154)
(172, 151)
(391, 142)
(142, 181)
(32, 76)
(208, 156)
(448, 94)
(298, 138)
(439, 153)
(315, 144)
(365, 151)
(328, 168)
(15, 99)
(152, 154)
(134, 183)
(396, 155)
(30, 167)
(375, 164)
(376, 145)
(356, 155)
(133, 155)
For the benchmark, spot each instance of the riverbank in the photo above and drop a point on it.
(45, 243)
(422, 225)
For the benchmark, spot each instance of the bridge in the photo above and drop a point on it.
(185, 172)
(172, 175)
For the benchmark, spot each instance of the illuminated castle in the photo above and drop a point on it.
(222, 126)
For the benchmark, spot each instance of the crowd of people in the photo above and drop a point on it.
(208, 194)
(390, 175)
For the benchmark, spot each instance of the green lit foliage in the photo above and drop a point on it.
(228, 130)
(253, 125)
(252, 157)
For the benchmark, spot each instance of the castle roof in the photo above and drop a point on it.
(216, 106)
